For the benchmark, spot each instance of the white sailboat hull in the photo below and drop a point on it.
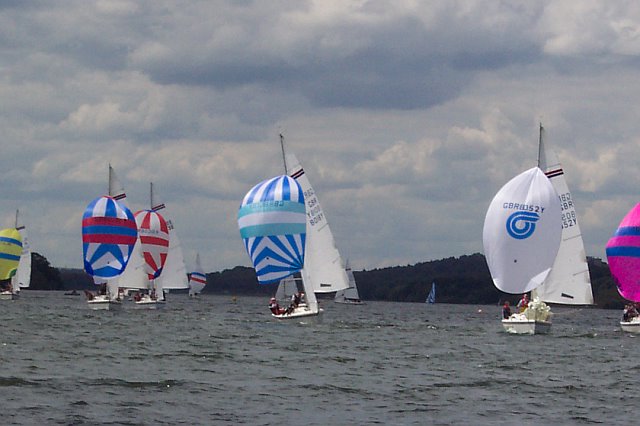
(519, 324)
(148, 303)
(632, 326)
(300, 311)
(349, 302)
(7, 295)
(103, 303)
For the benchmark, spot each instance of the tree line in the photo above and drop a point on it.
(465, 279)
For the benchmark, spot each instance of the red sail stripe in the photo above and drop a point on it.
(108, 221)
(156, 241)
(108, 239)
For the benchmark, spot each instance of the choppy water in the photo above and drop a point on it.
(211, 361)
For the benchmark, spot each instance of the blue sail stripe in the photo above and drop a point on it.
(9, 256)
(11, 241)
(278, 242)
(294, 244)
(270, 207)
(623, 251)
(627, 231)
(267, 252)
(108, 229)
(272, 229)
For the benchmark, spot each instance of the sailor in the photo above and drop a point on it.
(506, 310)
(275, 307)
(523, 303)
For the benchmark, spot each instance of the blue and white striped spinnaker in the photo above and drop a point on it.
(108, 236)
(272, 222)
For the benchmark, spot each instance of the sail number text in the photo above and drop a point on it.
(314, 211)
(569, 218)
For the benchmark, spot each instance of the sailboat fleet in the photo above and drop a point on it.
(531, 237)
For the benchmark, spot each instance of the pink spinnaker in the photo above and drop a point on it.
(623, 254)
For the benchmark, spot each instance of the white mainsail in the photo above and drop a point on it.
(174, 272)
(286, 288)
(323, 271)
(289, 285)
(351, 292)
(569, 281)
(521, 232)
(134, 275)
(22, 277)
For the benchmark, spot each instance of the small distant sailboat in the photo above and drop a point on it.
(272, 224)
(108, 236)
(22, 276)
(10, 252)
(349, 295)
(623, 255)
(197, 278)
(521, 237)
(431, 297)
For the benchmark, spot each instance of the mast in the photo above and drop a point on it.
(284, 160)
(540, 147)
(17, 210)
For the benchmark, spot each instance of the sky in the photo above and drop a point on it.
(408, 116)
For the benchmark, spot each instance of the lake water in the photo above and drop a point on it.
(212, 361)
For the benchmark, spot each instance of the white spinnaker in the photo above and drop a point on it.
(568, 282)
(521, 232)
(322, 262)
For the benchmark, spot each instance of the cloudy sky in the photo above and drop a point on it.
(407, 115)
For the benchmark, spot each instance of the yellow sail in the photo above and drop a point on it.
(10, 251)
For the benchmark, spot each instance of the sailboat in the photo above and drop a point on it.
(623, 255)
(431, 297)
(568, 283)
(521, 237)
(323, 269)
(197, 278)
(108, 237)
(22, 277)
(174, 273)
(349, 295)
(273, 226)
(153, 237)
(10, 252)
